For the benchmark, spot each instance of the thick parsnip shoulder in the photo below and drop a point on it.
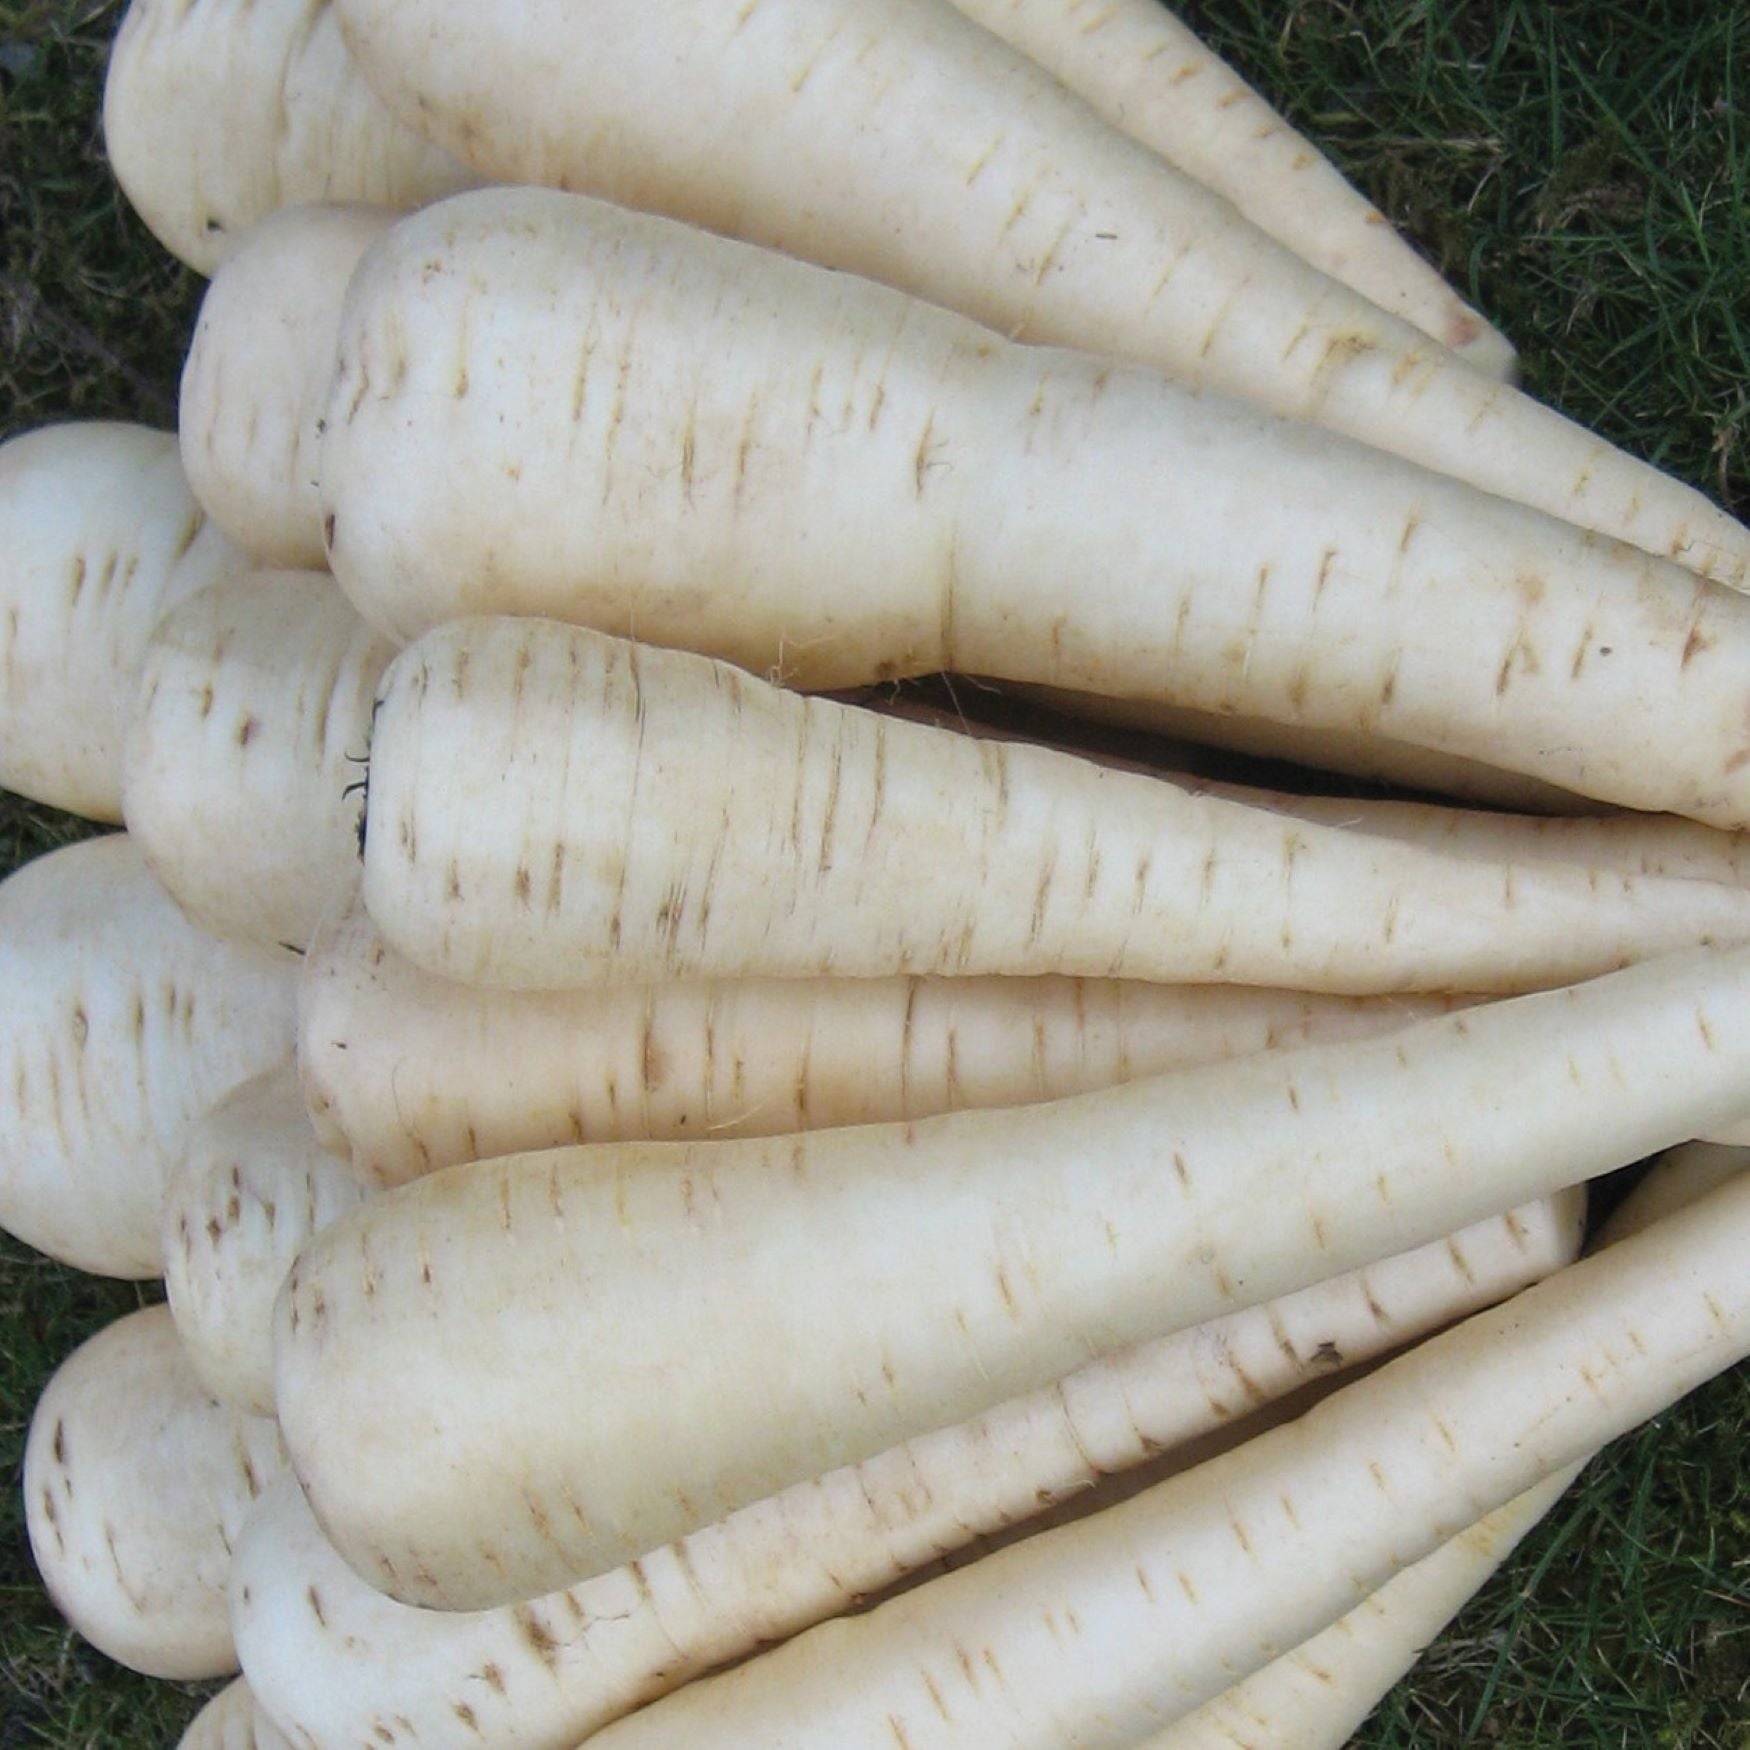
(243, 768)
(255, 384)
(250, 1186)
(99, 538)
(136, 1485)
(232, 1721)
(124, 1022)
(216, 116)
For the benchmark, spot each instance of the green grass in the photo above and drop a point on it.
(93, 315)
(1580, 170)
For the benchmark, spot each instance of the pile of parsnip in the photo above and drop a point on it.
(710, 1194)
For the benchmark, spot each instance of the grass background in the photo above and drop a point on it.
(1580, 170)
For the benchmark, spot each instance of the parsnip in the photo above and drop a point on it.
(896, 139)
(551, 807)
(548, 406)
(136, 1485)
(1656, 847)
(1358, 753)
(99, 537)
(232, 1721)
(245, 752)
(123, 1023)
(1623, 842)
(1096, 1634)
(217, 114)
(570, 1662)
(406, 1073)
(256, 380)
(1146, 74)
(1316, 1696)
(1682, 1177)
(848, 1289)
(250, 1186)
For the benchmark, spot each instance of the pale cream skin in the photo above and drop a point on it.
(1317, 1696)
(136, 1486)
(1640, 845)
(1146, 74)
(249, 1187)
(1605, 839)
(1359, 753)
(549, 807)
(1099, 1633)
(215, 116)
(255, 383)
(258, 690)
(547, 406)
(406, 1073)
(850, 1289)
(995, 192)
(232, 1721)
(123, 1023)
(99, 538)
(570, 1662)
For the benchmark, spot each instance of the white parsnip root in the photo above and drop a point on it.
(545, 405)
(255, 383)
(1619, 841)
(123, 1024)
(250, 1186)
(1100, 1633)
(232, 1721)
(99, 537)
(993, 191)
(1654, 846)
(1200, 738)
(215, 116)
(1358, 753)
(243, 769)
(136, 1485)
(1684, 1176)
(406, 1073)
(840, 1234)
(1317, 1696)
(1146, 74)
(552, 807)
(568, 1663)
(847, 1290)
